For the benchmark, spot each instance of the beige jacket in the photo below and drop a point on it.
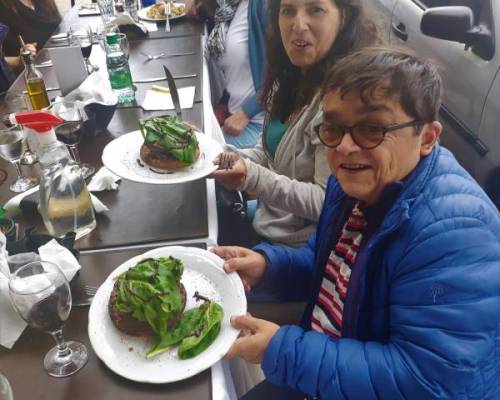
(290, 187)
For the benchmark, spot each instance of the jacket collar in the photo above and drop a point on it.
(398, 212)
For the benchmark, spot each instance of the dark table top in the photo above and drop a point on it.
(22, 365)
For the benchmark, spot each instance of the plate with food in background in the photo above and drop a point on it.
(163, 316)
(164, 151)
(156, 12)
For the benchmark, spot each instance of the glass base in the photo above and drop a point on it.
(65, 366)
(28, 158)
(87, 170)
(23, 183)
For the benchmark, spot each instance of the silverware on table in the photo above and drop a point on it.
(151, 57)
(86, 300)
(173, 92)
(168, 11)
(148, 80)
(226, 161)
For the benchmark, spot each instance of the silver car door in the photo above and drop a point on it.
(466, 76)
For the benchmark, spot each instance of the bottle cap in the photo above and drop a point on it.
(27, 57)
(112, 38)
(39, 121)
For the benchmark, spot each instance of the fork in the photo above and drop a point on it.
(226, 161)
(167, 14)
(90, 292)
(151, 57)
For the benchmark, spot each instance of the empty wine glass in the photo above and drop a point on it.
(11, 149)
(40, 293)
(5, 389)
(15, 101)
(70, 132)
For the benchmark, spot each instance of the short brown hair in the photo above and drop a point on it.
(415, 81)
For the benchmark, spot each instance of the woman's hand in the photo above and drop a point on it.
(249, 264)
(257, 333)
(234, 177)
(236, 123)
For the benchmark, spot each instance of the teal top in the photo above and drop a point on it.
(274, 132)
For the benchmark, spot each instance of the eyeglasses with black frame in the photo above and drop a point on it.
(366, 136)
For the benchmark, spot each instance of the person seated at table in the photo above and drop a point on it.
(9, 65)
(403, 273)
(34, 20)
(236, 45)
(287, 170)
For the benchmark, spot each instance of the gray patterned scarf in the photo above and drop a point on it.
(223, 15)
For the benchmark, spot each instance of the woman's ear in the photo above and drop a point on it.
(429, 136)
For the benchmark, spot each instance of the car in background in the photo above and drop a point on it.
(463, 37)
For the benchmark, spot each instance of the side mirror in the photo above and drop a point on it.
(448, 23)
(456, 23)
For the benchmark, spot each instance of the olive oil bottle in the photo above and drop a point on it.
(34, 83)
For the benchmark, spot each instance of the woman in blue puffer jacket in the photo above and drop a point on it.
(403, 275)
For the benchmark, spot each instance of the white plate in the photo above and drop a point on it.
(120, 156)
(126, 355)
(143, 14)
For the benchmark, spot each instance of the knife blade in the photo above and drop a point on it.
(157, 79)
(173, 92)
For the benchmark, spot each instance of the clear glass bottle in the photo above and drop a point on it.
(118, 69)
(65, 203)
(34, 83)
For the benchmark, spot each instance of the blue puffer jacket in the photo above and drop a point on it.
(428, 320)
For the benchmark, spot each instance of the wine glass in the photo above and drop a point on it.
(83, 37)
(15, 101)
(40, 293)
(11, 149)
(70, 132)
(5, 389)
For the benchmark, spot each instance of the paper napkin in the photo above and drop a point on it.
(159, 98)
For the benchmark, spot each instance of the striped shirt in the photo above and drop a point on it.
(329, 307)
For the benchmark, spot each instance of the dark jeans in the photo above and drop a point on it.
(267, 391)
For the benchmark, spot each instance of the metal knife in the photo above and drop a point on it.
(173, 92)
(147, 80)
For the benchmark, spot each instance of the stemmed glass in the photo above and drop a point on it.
(11, 149)
(15, 101)
(5, 389)
(40, 293)
(70, 132)
(83, 37)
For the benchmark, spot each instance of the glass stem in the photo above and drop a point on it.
(62, 348)
(18, 168)
(73, 148)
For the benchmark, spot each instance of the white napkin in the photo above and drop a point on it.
(126, 19)
(11, 325)
(103, 179)
(222, 382)
(150, 26)
(94, 89)
(159, 98)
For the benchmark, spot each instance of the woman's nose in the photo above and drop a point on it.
(347, 145)
(300, 21)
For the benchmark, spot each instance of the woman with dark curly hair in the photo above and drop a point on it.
(287, 170)
(34, 20)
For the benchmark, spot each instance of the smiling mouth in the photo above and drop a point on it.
(354, 167)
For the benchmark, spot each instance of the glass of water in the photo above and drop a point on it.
(11, 149)
(40, 293)
(107, 9)
(5, 389)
